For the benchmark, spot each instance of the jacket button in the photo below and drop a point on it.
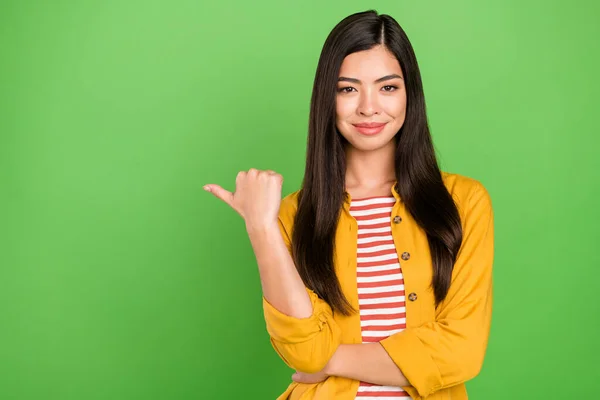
(405, 256)
(412, 296)
(397, 219)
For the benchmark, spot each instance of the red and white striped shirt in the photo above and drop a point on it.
(380, 283)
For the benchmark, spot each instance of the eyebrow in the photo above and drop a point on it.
(354, 80)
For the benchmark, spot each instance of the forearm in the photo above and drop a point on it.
(281, 284)
(367, 362)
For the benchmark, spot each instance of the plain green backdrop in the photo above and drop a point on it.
(120, 278)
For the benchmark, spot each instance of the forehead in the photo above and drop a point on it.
(370, 64)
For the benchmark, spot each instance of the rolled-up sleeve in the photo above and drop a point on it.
(304, 344)
(450, 350)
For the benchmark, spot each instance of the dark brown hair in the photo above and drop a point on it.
(419, 180)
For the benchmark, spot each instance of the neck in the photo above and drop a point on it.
(370, 169)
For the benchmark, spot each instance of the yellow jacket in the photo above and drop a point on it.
(440, 348)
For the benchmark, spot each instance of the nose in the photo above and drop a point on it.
(368, 104)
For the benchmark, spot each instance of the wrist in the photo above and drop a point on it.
(262, 229)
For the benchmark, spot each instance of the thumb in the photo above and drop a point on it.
(221, 193)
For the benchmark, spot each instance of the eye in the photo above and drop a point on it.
(389, 88)
(346, 89)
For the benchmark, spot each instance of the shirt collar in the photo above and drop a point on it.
(348, 199)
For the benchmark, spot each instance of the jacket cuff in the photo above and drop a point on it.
(286, 329)
(413, 359)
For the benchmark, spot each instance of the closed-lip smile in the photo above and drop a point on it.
(370, 124)
(370, 128)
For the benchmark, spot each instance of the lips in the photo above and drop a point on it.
(370, 124)
(370, 128)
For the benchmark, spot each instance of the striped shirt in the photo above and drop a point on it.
(380, 283)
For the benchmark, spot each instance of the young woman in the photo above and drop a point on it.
(377, 273)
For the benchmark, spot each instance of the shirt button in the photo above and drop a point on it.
(412, 296)
(405, 256)
(397, 219)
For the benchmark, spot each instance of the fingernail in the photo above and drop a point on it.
(207, 188)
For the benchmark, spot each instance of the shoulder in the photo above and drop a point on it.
(289, 203)
(461, 185)
(468, 193)
(287, 210)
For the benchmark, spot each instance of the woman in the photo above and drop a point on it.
(377, 273)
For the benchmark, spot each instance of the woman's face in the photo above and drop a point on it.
(371, 98)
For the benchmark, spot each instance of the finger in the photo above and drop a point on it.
(307, 378)
(270, 172)
(240, 176)
(221, 193)
(303, 377)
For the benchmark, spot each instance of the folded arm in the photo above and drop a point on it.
(367, 362)
(423, 359)
(451, 349)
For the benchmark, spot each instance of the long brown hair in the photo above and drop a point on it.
(419, 180)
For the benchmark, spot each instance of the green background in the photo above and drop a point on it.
(120, 278)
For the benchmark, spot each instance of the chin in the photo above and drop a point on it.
(369, 144)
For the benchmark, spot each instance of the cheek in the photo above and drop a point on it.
(396, 106)
(344, 107)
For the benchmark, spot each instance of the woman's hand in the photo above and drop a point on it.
(257, 197)
(302, 377)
